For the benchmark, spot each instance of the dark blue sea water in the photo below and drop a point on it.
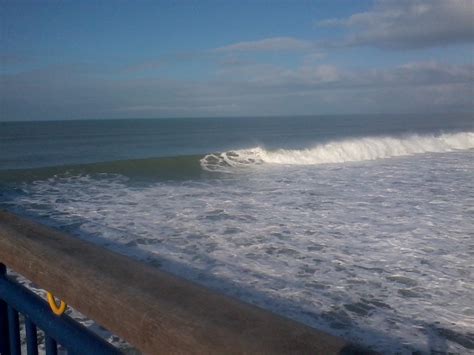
(357, 225)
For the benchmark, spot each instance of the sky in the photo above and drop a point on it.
(142, 59)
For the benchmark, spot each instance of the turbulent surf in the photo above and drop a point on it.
(359, 226)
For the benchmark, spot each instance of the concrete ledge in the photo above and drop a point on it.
(153, 310)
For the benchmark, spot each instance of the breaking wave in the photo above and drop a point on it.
(349, 150)
(193, 166)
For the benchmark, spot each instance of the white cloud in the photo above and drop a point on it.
(318, 74)
(328, 77)
(268, 44)
(410, 24)
(252, 89)
(313, 57)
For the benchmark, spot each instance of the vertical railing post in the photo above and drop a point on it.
(31, 337)
(51, 346)
(4, 335)
(14, 331)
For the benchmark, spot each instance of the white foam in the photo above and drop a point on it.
(350, 150)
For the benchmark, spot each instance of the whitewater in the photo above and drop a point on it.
(352, 150)
(368, 236)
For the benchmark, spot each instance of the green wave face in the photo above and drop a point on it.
(167, 168)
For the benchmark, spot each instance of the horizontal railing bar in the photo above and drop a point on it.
(153, 310)
(72, 335)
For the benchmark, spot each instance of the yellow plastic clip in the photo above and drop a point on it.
(54, 307)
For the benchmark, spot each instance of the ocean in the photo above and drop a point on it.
(359, 225)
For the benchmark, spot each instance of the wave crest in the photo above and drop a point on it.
(350, 150)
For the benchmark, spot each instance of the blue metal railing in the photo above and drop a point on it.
(16, 299)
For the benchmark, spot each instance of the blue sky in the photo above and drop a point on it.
(125, 59)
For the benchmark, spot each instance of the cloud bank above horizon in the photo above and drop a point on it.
(235, 59)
